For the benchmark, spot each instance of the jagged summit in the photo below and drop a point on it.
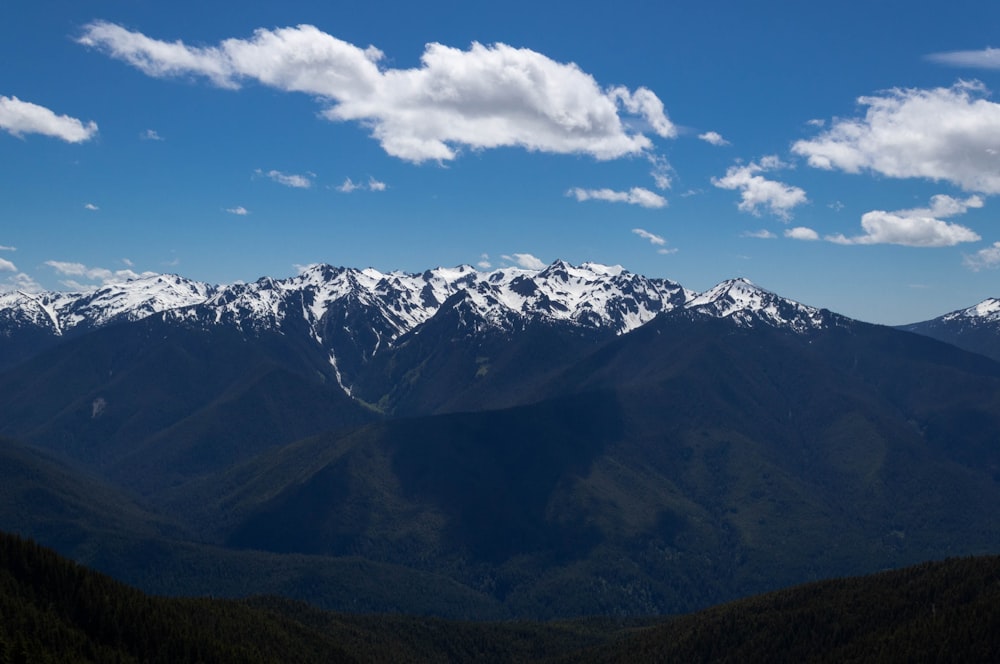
(749, 305)
(354, 314)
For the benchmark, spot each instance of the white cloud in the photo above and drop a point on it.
(21, 117)
(287, 179)
(485, 97)
(919, 227)
(762, 234)
(634, 196)
(98, 274)
(984, 259)
(239, 210)
(484, 262)
(350, 185)
(757, 191)
(661, 171)
(127, 263)
(802, 233)
(646, 235)
(150, 135)
(987, 58)
(816, 122)
(527, 261)
(7, 266)
(713, 138)
(6, 248)
(91, 207)
(950, 134)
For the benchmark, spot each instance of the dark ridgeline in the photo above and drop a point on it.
(55, 610)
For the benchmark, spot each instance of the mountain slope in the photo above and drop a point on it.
(976, 328)
(693, 460)
(151, 403)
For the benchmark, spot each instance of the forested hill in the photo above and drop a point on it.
(53, 610)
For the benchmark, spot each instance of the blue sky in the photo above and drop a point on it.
(846, 156)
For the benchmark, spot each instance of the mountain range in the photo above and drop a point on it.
(544, 443)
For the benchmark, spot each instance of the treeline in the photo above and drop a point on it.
(54, 610)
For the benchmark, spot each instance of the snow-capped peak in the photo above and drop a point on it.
(987, 311)
(748, 304)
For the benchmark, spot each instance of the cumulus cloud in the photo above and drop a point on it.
(802, 233)
(287, 179)
(984, 259)
(239, 211)
(7, 266)
(756, 191)
(634, 196)
(713, 138)
(94, 274)
(527, 261)
(485, 97)
(950, 134)
(987, 58)
(22, 117)
(919, 227)
(762, 234)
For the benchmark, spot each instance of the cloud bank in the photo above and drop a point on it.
(488, 96)
(22, 117)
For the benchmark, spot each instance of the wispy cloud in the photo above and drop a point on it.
(22, 117)
(350, 185)
(987, 58)
(6, 248)
(918, 227)
(150, 135)
(634, 196)
(758, 192)
(239, 211)
(655, 240)
(984, 259)
(661, 171)
(762, 234)
(94, 274)
(484, 262)
(7, 266)
(91, 207)
(287, 179)
(496, 95)
(646, 235)
(713, 138)
(526, 261)
(942, 134)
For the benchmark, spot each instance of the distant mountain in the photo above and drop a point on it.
(976, 328)
(572, 440)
